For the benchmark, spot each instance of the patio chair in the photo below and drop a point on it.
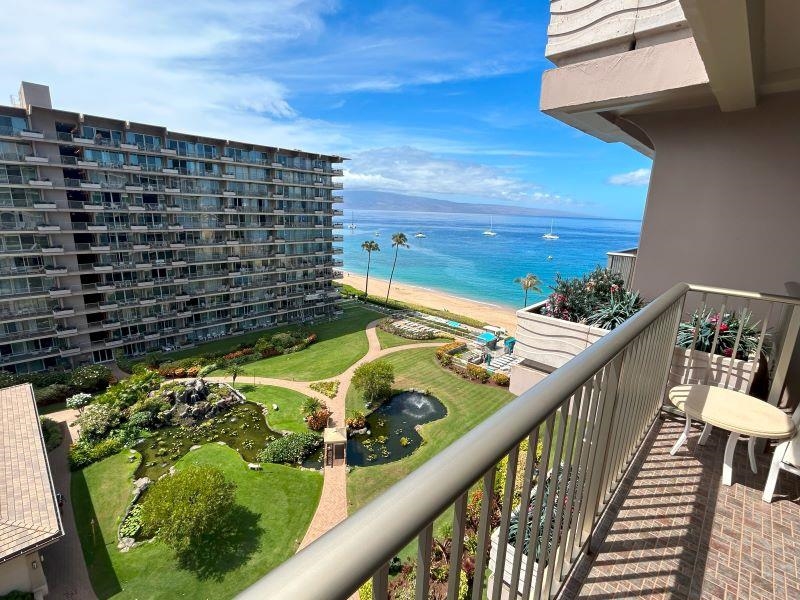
(786, 457)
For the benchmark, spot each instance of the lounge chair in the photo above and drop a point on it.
(786, 457)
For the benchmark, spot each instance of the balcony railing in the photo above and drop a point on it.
(590, 416)
(623, 262)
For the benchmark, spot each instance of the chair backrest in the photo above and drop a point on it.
(792, 455)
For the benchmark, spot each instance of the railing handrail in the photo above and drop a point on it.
(630, 252)
(427, 491)
(707, 289)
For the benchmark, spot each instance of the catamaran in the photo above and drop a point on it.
(550, 235)
(489, 232)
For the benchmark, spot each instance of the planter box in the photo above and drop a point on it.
(551, 342)
(691, 366)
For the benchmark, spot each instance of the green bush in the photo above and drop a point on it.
(291, 448)
(84, 453)
(500, 379)
(91, 378)
(95, 421)
(375, 380)
(282, 341)
(186, 509)
(576, 299)
(51, 431)
(52, 394)
(620, 307)
(365, 591)
(477, 373)
(17, 595)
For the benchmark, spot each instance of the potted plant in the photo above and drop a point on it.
(578, 312)
(734, 366)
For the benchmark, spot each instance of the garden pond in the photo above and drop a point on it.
(243, 428)
(392, 429)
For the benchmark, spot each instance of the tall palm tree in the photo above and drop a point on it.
(369, 247)
(398, 239)
(529, 283)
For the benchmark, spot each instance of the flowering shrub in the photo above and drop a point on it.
(328, 388)
(702, 328)
(500, 379)
(576, 299)
(318, 420)
(477, 373)
(291, 448)
(238, 353)
(448, 349)
(357, 420)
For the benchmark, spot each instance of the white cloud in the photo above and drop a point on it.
(410, 170)
(637, 177)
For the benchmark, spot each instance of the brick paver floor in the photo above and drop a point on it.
(680, 533)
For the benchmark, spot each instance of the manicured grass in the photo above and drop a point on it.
(467, 405)
(276, 505)
(289, 416)
(51, 408)
(339, 344)
(390, 340)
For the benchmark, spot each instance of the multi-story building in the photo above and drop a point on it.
(125, 237)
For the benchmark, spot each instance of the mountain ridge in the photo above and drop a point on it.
(393, 202)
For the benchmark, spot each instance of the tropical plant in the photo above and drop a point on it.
(356, 420)
(374, 379)
(132, 523)
(399, 240)
(703, 326)
(529, 283)
(189, 507)
(318, 420)
(311, 405)
(234, 371)
(576, 299)
(620, 307)
(369, 247)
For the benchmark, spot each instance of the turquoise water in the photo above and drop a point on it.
(456, 258)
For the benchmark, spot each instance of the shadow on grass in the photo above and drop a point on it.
(228, 548)
(246, 388)
(95, 548)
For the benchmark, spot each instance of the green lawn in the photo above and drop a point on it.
(289, 416)
(467, 405)
(390, 340)
(276, 505)
(340, 344)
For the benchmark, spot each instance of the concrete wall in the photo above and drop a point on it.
(19, 574)
(722, 207)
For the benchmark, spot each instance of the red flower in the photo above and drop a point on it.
(723, 327)
(728, 352)
(615, 288)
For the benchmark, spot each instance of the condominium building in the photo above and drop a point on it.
(126, 237)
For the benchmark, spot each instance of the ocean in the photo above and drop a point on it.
(455, 257)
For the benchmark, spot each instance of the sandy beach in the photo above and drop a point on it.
(491, 313)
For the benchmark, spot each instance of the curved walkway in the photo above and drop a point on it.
(332, 507)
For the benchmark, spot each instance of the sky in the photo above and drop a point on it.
(426, 98)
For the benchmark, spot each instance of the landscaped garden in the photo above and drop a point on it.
(318, 352)
(272, 511)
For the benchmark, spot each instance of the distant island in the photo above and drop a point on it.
(369, 200)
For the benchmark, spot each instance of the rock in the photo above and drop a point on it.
(200, 409)
(222, 443)
(142, 484)
(172, 471)
(162, 477)
(132, 451)
(126, 544)
(131, 458)
(195, 447)
(254, 466)
(274, 407)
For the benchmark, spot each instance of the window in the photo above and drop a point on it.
(11, 125)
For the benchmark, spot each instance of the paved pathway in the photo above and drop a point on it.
(67, 576)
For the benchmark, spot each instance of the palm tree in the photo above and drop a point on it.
(529, 283)
(234, 371)
(398, 239)
(369, 246)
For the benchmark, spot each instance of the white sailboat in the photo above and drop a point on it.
(550, 235)
(352, 224)
(420, 235)
(489, 232)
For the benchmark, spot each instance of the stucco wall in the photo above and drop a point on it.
(19, 574)
(723, 207)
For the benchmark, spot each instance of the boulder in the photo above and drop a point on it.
(200, 409)
(195, 447)
(254, 466)
(274, 407)
(126, 544)
(142, 484)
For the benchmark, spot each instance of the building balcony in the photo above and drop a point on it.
(623, 262)
(627, 520)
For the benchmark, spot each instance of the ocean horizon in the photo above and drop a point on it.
(456, 258)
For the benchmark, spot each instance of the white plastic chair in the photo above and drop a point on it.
(786, 457)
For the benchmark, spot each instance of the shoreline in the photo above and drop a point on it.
(494, 314)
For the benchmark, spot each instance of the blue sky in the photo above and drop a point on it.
(427, 98)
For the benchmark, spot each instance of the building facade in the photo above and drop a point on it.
(126, 237)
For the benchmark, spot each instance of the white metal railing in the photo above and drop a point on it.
(623, 262)
(591, 417)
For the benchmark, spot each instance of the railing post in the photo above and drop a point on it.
(608, 399)
(785, 357)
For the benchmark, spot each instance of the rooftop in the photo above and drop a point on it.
(29, 516)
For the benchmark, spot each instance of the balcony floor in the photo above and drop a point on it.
(680, 533)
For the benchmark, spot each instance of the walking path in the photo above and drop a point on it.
(67, 576)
